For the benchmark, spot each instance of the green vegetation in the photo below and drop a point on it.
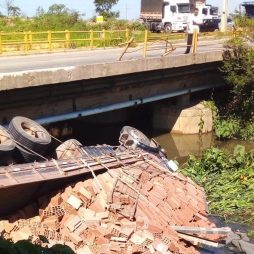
(251, 233)
(227, 128)
(103, 7)
(228, 180)
(26, 247)
(59, 18)
(236, 116)
(60, 27)
(64, 21)
(243, 22)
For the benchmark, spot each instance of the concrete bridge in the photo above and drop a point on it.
(61, 86)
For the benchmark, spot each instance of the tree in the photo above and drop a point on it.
(103, 7)
(238, 69)
(14, 11)
(58, 16)
(8, 4)
(58, 9)
(40, 11)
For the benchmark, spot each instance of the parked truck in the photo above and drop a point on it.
(207, 11)
(249, 9)
(165, 15)
(172, 15)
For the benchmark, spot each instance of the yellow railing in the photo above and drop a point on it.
(52, 40)
(166, 43)
(47, 41)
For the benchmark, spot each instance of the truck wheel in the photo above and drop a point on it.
(30, 135)
(7, 147)
(129, 134)
(168, 28)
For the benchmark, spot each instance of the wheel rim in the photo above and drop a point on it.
(168, 28)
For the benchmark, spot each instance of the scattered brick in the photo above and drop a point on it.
(74, 202)
(134, 216)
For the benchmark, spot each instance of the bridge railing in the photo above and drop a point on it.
(166, 43)
(26, 42)
(47, 41)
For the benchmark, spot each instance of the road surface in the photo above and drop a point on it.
(12, 64)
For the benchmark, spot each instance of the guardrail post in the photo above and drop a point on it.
(145, 43)
(30, 37)
(127, 34)
(104, 37)
(67, 39)
(49, 40)
(91, 39)
(1, 48)
(26, 41)
(195, 41)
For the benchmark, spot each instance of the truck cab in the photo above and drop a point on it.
(209, 16)
(249, 9)
(208, 11)
(175, 15)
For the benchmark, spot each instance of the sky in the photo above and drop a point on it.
(129, 9)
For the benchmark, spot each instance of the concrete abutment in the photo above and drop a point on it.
(183, 119)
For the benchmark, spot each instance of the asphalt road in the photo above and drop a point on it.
(12, 64)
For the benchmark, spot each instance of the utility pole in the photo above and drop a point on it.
(126, 10)
(224, 16)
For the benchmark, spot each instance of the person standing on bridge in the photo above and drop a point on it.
(193, 23)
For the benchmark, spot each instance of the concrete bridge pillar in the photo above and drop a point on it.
(183, 120)
(183, 100)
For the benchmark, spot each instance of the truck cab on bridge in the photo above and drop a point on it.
(208, 11)
(209, 16)
(175, 15)
(165, 15)
(172, 15)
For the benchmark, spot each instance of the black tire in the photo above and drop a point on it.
(168, 28)
(26, 156)
(7, 146)
(31, 135)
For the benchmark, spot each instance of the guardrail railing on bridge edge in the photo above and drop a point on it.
(29, 41)
(48, 41)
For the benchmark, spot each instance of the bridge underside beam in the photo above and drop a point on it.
(122, 91)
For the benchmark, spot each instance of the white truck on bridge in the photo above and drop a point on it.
(207, 11)
(172, 15)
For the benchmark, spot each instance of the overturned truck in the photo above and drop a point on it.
(100, 199)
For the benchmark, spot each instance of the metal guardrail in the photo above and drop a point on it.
(166, 43)
(48, 41)
(26, 42)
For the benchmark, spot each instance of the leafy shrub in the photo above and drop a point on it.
(238, 71)
(228, 181)
(227, 128)
(247, 133)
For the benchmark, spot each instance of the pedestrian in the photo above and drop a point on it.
(193, 23)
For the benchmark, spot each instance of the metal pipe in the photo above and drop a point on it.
(121, 105)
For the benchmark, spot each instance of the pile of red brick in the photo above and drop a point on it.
(126, 210)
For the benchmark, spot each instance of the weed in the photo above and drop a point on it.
(228, 180)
